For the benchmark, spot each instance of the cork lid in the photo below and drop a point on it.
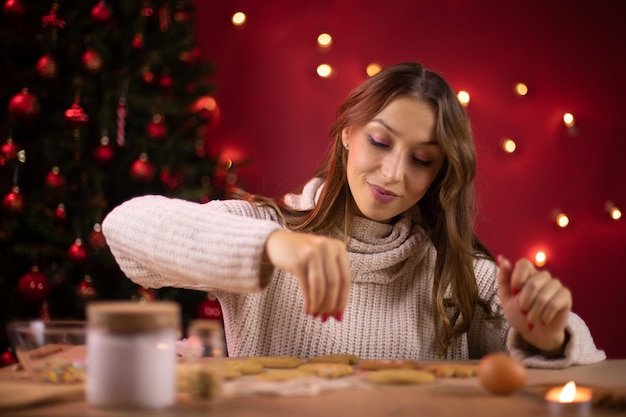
(131, 317)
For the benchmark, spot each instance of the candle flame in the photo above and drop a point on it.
(568, 393)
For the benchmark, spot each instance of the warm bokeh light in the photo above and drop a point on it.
(509, 145)
(324, 40)
(521, 89)
(568, 119)
(562, 220)
(541, 258)
(239, 19)
(373, 69)
(464, 97)
(614, 212)
(324, 70)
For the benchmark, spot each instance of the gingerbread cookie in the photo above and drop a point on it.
(346, 358)
(400, 377)
(244, 367)
(278, 375)
(451, 370)
(278, 362)
(379, 364)
(327, 370)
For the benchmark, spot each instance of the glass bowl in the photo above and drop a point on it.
(50, 351)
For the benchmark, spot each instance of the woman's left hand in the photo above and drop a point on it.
(536, 304)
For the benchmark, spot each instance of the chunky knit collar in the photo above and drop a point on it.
(378, 252)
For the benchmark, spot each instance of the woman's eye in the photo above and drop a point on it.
(375, 143)
(421, 162)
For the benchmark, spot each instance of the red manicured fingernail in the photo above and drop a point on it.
(524, 312)
(339, 316)
(531, 326)
(324, 317)
(514, 291)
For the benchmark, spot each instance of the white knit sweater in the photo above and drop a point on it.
(218, 247)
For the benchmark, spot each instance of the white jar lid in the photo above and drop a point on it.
(132, 317)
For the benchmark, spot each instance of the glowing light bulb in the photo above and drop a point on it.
(540, 258)
(324, 70)
(570, 123)
(614, 212)
(561, 219)
(239, 19)
(509, 145)
(521, 89)
(373, 69)
(464, 98)
(324, 40)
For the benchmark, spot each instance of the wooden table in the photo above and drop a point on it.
(444, 397)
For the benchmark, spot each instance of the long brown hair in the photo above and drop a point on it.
(447, 209)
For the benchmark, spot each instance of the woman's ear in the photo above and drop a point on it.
(345, 137)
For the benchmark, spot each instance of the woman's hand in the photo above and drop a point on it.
(321, 266)
(536, 304)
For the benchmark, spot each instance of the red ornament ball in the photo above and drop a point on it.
(166, 81)
(171, 181)
(7, 358)
(209, 309)
(147, 76)
(156, 129)
(24, 105)
(92, 61)
(13, 8)
(85, 289)
(96, 238)
(137, 42)
(34, 286)
(46, 67)
(54, 179)
(59, 213)
(103, 154)
(101, 11)
(77, 252)
(9, 149)
(13, 202)
(142, 169)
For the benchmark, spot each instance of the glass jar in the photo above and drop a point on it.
(204, 354)
(131, 354)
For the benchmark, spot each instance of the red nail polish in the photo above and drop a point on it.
(514, 291)
(531, 326)
(324, 317)
(524, 312)
(339, 316)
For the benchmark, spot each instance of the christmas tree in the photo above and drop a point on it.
(100, 101)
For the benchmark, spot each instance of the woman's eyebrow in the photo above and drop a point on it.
(395, 132)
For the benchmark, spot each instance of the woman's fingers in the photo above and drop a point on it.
(320, 265)
(536, 304)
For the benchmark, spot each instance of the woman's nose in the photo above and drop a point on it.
(392, 167)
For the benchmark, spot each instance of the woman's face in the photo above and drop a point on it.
(393, 159)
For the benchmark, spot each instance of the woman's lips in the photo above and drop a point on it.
(381, 194)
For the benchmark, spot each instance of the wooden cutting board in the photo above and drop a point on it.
(21, 394)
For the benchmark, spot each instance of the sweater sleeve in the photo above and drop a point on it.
(496, 334)
(160, 242)
(580, 348)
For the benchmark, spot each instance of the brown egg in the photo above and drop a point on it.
(501, 374)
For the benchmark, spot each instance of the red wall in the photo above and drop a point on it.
(275, 110)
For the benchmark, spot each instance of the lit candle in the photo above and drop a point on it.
(569, 400)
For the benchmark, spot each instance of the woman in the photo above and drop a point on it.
(381, 240)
